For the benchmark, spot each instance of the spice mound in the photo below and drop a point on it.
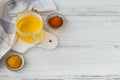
(14, 62)
(55, 21)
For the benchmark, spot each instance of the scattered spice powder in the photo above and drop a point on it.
(55, 21)
(14, 62)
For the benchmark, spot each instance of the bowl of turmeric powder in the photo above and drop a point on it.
(55, 20)
(14, 61)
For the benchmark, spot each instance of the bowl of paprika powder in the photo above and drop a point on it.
(55, 20)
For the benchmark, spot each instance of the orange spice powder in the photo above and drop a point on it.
(14, 62)
(55, 22)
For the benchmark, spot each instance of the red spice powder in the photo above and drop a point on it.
(55, 22)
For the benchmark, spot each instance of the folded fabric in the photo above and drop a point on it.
(7, 35)
(39, 5)
(42, 5)
(7, 32)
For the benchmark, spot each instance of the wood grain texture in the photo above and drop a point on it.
(89, 43)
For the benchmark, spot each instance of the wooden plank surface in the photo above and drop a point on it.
(89, 43)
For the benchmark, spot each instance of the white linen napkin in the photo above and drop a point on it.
(42, 5)
(7, 32)
(7, 35)
(39, 5)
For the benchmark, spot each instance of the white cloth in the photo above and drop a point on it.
(7, 32)
(39, 5)
(43, 5)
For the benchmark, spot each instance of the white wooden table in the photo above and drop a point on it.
(89, 44)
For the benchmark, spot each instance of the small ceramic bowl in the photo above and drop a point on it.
(53, 15)
(23, 61)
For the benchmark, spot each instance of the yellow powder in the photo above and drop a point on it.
(14, 62)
